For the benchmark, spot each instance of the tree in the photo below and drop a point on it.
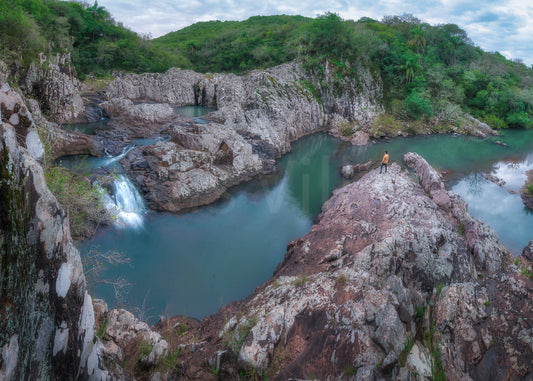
(417, 38)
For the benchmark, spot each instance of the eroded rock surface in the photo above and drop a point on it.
(388, 277)
(47, 329)
(194, 168)
(53, 83)
(257, 117)
(126, 337)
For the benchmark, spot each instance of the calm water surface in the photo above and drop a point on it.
(195, 262)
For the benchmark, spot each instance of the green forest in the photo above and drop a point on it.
(428, 72)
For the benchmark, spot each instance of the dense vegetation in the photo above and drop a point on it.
(429, 73)
(96, 42)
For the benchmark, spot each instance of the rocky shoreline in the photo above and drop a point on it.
(395, 281)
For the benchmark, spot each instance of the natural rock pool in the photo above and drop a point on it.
(193, 263)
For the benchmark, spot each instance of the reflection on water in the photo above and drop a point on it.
(194, 111)
(501, 207)
(87, 128)
(193, 263)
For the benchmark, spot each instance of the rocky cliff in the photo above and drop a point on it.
(257, 117)
(395, 281)
(47, 329)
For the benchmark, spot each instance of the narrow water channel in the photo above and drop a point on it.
(195, 262)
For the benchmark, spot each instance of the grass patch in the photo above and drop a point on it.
(300, 280)
(180, 329)
(103, 327)
(439, 288)
(235, 339)
(420, 310)
(346, 128)
(529, 188)
(527, 272)
(170, 361)
(407, 347)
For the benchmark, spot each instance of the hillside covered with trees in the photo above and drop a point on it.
(429, 73)
(96, 42)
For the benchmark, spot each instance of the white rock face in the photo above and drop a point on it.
(9, 359)
(58, 89)
(63, 280)
(51, 287)
(138, 113)
(124, 330)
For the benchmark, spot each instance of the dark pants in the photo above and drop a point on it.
(381, 168)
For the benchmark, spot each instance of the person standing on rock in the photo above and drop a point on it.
(384, 162)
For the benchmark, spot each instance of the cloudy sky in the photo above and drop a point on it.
(505, 26)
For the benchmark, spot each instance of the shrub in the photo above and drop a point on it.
(519, 120)
(418, 106)
(495, 122)
(82, 201)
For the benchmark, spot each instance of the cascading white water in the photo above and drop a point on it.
(126, 204)
(108, 161)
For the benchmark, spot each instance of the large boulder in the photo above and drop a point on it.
(138, 113)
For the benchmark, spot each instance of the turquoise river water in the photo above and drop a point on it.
(193, 263)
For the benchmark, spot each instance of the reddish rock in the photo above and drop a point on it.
(345, 300)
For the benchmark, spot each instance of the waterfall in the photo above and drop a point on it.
(108, 161)
(126, 205)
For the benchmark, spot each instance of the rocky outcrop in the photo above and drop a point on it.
(194, 168)
(274, 104)
(14, 112)
(257, 117)
(66, 143)
(125, 337)
(53, 84)
(480, 238)
(138, 113)
(528, 251)
(386, 285)
(473, 126)
(348, 171)
(525, 194)
(484, 329)
(47, 329)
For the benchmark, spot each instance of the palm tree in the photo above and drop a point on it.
(417, 37)
(410, 65)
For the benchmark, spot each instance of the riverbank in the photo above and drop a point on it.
(387, 284)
